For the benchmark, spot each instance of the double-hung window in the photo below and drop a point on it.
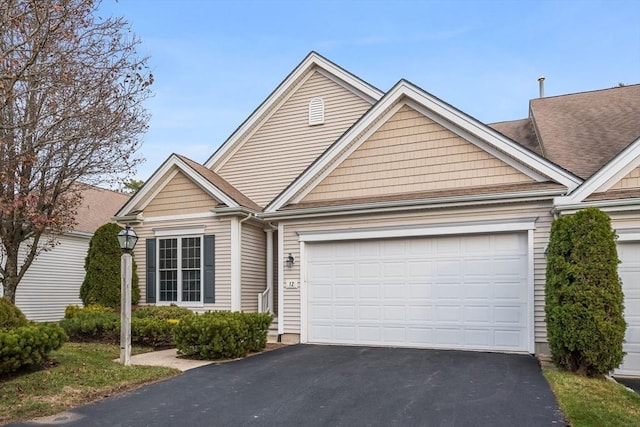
(180, 267)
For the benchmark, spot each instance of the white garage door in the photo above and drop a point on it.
(629, 254)
(467, 292)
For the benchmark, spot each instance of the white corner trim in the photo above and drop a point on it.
(269, 267)
(522, 224)
(452, 117)
(304, 295)
(178, 231)
(531, 291)
(280, 279)
(313, 59)
(236, 262)
(607, 176)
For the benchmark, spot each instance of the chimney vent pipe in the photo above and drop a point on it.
(541, 81)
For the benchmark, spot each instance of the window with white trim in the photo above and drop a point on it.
(180, 269)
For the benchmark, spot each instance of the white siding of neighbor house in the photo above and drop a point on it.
(412, 153)
(539, 210)
(53, 280)
(280, 147)
(254, 267)
(630, 181)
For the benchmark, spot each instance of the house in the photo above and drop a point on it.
(53, 281)
(390, 218)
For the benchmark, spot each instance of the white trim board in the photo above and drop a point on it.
(312, 60)
(483, 227)
(537, 166)
(163, 175)
(606, 177)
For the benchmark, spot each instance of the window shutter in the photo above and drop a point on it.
(316, 111)
(151, 270)
(209, 269)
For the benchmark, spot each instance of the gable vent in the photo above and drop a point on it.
(316, 111)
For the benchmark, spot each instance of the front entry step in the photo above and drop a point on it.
(272, 334)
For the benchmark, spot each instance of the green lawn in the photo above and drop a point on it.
(588, 402)
(79, 373)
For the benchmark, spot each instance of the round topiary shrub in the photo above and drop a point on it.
(101, 284)
(584, 299)
(10, 315)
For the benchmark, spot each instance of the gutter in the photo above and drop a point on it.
(608, 205)
(410, 205)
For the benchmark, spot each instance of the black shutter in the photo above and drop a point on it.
(209, 269)
(151, 270)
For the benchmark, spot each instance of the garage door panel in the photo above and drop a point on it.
(425, 292)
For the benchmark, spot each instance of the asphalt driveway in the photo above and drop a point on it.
(308, 385)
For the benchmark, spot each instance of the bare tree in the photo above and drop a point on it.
(71, 91)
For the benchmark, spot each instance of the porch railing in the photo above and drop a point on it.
(263, 301)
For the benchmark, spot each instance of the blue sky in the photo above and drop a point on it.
(215, 61)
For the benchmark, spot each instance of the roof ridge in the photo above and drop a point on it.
(588, 91)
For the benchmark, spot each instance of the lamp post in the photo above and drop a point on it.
(127, 239)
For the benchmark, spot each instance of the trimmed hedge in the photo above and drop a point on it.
(72, 311)
(161, 312)
(583, 294)
(152, 326)
(28, 346)
(10, 315)
(222, 334)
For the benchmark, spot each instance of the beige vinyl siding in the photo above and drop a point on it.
(539, 210)
(179, 196)
(221, 228)
(253, 278)
(631, 180)
(284, 144)
(412, 153)
(53, 281)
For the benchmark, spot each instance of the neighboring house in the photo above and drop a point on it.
(394, 219)
(53, 281)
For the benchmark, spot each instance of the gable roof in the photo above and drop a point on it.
(97, 207)
(583, 131)
(439, 111)
(313, 60)
(520, 131)
(209, 181)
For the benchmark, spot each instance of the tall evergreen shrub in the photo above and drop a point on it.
(584, 300)
(101, 284)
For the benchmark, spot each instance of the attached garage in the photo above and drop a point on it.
(629, 254)
(459, 292)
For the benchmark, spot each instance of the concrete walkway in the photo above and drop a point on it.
(168, 358)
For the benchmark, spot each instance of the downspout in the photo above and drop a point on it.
(236, 271)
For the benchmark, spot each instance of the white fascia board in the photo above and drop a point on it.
(412, 205)
(606, 177)
(163, 175)
(445, 229)
(490, 136)
(614, 205)
(179, 217)
(313, 59)
(178, 231)
(538, 166)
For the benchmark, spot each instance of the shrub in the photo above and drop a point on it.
(10, 315)
(149, 331)
(72, 311)
(101, 284)
(92, 326)
(584, 300)
(221, 334)
(162, 312)
(28, 346)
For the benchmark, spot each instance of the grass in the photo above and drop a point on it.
(588, 402)
(78, 374)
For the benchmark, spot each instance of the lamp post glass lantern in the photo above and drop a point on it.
(127, 239)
